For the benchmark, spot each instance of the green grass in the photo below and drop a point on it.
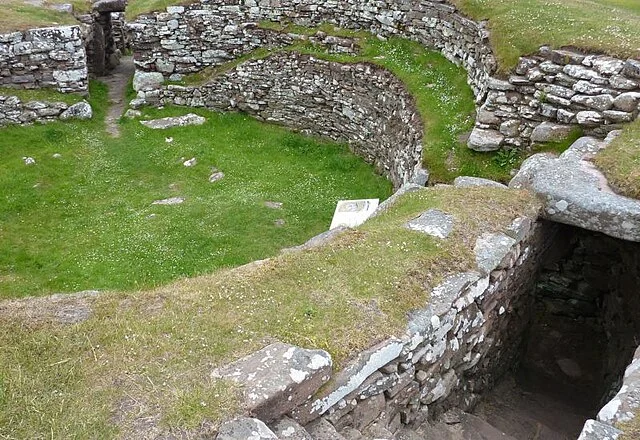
(86, 220)
(620, 161)
(41, 95)
(520, 27)
(149, 354)
(17, 16)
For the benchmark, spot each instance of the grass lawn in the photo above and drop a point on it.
(85, 220)
(620, 162)
(142, 361)
(520, 27)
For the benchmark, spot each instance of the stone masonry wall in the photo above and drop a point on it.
(14, 111)
(49, 57)
(469, 336)
(361, 104)
(566, 89)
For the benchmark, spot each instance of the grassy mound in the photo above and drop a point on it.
(520, 27)
(15, 15)
(143, 360)
(620, 162)
(85, 220)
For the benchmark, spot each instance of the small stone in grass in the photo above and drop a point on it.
(29, 160)
(169, 202)
(280, 223)
(168, 140)
(191, 162)
(57, 156)
(216, 176)
(273, 205)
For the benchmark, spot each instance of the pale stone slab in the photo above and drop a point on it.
(278, 378)
(433, 222)
(178, 121)
(594, 430)
(353, 213)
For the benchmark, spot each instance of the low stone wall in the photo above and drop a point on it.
(565, 88)
(49, 57)
(14, 111)
(187, 39)
(361, 104)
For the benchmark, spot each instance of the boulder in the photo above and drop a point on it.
(81, 110)
(576, 193)
(147, 80)
(550, 132)
(485, 140)
(594, 430)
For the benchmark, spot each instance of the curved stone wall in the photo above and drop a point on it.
(567, 89)
(361, 104)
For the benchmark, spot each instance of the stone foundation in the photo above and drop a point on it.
(14, 111)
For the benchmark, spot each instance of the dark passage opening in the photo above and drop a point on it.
(583, 332)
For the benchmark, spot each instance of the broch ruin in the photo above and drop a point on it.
(554, 300)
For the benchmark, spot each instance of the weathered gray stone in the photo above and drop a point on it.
(632, 69)
(471, 182)
(323, 430)
(170, 202)
(433, 222)
(245, 428)
(216, 177)
(627, 102)
(110, 5)
(626, 404)
(597, 102)
(589, 118)
(147, 80)
(576, 193)
(550, 132)
(171, 122)
(485, 140)
(81, 110)
(594, 430)
(278, 378)
(287, 429)
(491, 251)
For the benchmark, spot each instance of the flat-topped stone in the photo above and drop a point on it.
(576, 193)
(171, 122)
(278, 378)
(433, 222)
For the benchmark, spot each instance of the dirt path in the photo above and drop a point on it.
(117, 82)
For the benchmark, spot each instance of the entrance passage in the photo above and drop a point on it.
(583, 333)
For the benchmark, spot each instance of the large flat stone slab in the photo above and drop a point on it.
(433, 222)
(574, 192)
(278, 378)
(178, 121)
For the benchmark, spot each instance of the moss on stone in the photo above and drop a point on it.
(620, 161)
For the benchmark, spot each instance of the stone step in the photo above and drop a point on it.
(466, 427)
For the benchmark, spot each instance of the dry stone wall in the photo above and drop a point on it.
(361, 104)
(44, 58)
(14, 111)
(563, 89)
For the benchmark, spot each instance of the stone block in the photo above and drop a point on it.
(485, 140)
(278, 378)
(245, 428)
(550, 132)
